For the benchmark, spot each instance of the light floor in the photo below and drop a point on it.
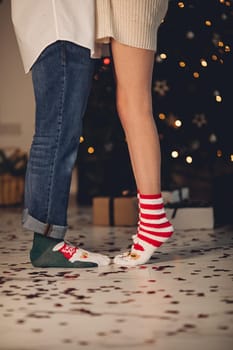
(183, 299)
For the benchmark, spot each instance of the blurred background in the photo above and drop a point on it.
(192, 94)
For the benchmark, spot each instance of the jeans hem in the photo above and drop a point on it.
(49, 230)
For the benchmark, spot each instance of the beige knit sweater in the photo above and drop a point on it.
(131, 22)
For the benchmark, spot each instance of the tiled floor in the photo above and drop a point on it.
(183, 299)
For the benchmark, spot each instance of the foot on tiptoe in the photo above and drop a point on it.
(50, 252)
(154, 229)
(137, 256)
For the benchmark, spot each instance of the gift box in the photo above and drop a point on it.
(115, 211)
(11, 189)
(188, 215)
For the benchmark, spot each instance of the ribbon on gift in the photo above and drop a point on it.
(111, 211)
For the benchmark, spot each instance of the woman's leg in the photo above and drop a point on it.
(133, 70)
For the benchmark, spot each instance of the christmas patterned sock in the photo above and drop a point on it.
(153, 230)
(50, 252)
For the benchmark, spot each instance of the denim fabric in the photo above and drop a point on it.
(62, 77)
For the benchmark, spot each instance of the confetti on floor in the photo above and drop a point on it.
(182, 299)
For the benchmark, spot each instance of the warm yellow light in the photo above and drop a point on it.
(227, 48)
(227, 3)
(175, 154)
(189, 159)
(196, 75)
(220, 44)
(219, 153)
(221, 61)
(81, 139)
(162, 116)
(208, 23)
(182, 64)
(181, 4)
(163, 56)
(178, 123)
(231, 157)
(203, 62)
(90, 150)
(214, 57)
(218, 98)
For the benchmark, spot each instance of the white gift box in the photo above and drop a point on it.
(191, 218)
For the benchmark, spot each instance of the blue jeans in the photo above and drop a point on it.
(62, 77)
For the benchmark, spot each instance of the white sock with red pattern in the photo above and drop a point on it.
(153, 230)
(52, 252)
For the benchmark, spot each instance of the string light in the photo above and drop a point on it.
(181, 4)
(227, 3)
(178, 123)
(189, 159)
(81, 139)
(90, 150)
(190, 34)
(175, 154)
(214, 57)
(212, 138)
(227, 48)
(219, 153)
(203, 62)
(182, 64)
(162, 116)
(218, 98)
(208, 23)
(223, 16)
(231, 157)
(106, 61)
(196, 75)
(163, 56)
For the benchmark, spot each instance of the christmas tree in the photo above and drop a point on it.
(191, 104)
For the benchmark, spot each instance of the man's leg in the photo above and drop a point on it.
(62, 78)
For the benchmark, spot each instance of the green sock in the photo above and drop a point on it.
(43, 255)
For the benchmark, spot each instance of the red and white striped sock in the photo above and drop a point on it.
(153, 230)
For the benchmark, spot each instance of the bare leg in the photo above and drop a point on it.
(133, 69)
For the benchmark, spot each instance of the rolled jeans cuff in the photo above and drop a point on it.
(49, 230)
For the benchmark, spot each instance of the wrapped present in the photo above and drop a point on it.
(13, 164)
(188, 215)
(115, 211)
(11, 189)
